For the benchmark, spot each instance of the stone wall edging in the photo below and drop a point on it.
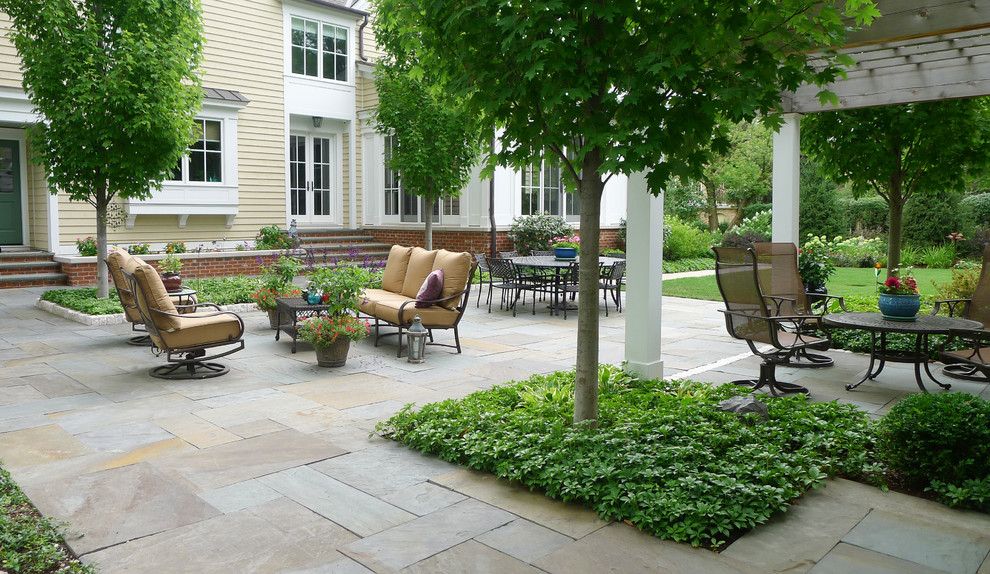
(116, 318)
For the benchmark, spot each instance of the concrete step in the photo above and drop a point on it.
(13, 255)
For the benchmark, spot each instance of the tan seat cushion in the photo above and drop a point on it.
(387, 309)
(395, 268)
(456, 267)
(195, 330)
(117, 261)
(420, 265)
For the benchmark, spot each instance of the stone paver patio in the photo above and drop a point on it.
(273, 468)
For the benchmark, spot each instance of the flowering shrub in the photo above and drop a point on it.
(265, 297)
(814, 263)
(86, 247)
(535, 232)
(899, 285)
(323, 331)
(139, 249)
(175, 247)
(271, 237)
(858, 251)
(170, 264)
(573, 241)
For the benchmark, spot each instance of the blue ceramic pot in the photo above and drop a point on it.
(564, 252)
(899, 307)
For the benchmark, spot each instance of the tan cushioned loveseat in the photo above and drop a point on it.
(405, 272)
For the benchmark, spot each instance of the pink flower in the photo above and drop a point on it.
(893, 282)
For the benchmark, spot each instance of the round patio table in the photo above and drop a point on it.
(922, 327)
(559, 267)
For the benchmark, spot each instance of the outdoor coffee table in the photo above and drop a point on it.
(292, 309)
(921, 328)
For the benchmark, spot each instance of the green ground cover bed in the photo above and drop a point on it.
(219, 290)
(664, 458)
(29, 543)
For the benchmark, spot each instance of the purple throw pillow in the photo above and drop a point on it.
(431, 289)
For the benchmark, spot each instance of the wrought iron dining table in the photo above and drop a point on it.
(558, 275)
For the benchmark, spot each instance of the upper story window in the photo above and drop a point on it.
(319, 49)
(543, 191)
(204, 160)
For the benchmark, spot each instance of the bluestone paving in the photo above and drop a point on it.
(345, 505)
(274, 467)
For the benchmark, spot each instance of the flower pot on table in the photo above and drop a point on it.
(565, 252)
(172, 281)
(899, 307)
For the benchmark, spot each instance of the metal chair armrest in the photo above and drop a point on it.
(951, 305)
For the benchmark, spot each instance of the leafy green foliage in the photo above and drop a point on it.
(864, 213)
(117, 84)
(614, 88)
(688, 264)
(742, 175)
(341, 286)
(86, 247)
(271, 237)
(664, 458)
(821, 211)
(941, 441)
(685, 240)
(760, 223)
(219, 290)
(962, 285)
(978, 206)
(930, 217)
(437, 142)
(30, 543)
(925, 148)
(536, 232)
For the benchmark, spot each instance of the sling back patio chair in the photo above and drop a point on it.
(972, 362)
(184, 338)
(780, 282)
(117, 262)
(773, 338)
(482, 261)
(507, 277)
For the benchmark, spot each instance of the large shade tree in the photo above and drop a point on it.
(616, 88)
(743, 173)
(899, 152)
(117, 85)
(437, 142)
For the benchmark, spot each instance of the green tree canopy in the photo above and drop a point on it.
(437, 141)
(744, 171)
(899, 152)
(117, 84)
(616, 87)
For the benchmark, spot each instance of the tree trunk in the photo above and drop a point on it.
(586, 377)
(102, 279)
(895, 214)
(711, 200)
(428, 218)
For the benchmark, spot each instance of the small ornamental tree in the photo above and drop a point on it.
(899, 152)
(117, 85)
(437, 142)
(616, 88)
(744, 172)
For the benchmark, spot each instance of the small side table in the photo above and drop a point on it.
(184, 296)
(290, 310)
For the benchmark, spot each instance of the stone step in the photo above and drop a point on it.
(32, 280)
(28, 267)
(9, 255)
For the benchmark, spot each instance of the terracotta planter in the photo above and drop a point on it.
(335, 355)
(172, 281)
(899, 307)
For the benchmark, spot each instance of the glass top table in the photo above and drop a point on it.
(922, 327)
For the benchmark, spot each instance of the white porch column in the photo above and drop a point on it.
(644, 272)
(352, 175)
(787, 180)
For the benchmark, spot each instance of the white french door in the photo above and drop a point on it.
(312, 175)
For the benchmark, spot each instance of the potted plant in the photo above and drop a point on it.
(339, 289)
(169, 269)
(566, 247)
(331, 336)
(814, 265)
(276, 281)
(899, 299)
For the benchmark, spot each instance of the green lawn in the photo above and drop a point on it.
(846, 281)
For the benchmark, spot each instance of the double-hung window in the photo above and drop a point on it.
(319, 49)
(406, 205)
(203, 163)
(542, 191)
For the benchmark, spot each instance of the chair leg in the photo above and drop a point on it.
(768, 378)
(190, 367)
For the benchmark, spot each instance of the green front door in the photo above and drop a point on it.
(11, 230)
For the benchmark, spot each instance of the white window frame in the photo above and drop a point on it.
(185, 198)
(184, 163)
(565, 200)
(441, 209)
(322, 24)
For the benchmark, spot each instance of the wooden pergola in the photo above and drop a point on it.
(918, 51)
